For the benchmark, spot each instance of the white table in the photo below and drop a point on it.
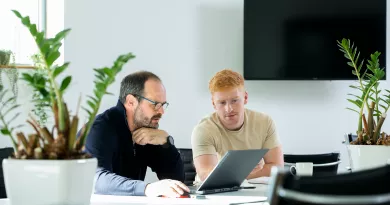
(252, 196)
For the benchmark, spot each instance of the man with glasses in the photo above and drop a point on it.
(126, 139)
(233, 127)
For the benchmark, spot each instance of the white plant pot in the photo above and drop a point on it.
(49, 182)
(364, 157)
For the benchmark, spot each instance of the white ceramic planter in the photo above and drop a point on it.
(49, 182)
(364, 157)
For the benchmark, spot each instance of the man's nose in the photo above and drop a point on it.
(161, 110)
(228, 107)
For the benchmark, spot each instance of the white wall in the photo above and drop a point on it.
(185, 43)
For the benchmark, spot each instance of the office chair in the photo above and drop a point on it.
(189, 168)
(4, 154)
(364, 187)
(323, 164)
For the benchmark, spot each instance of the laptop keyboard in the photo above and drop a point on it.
(193, 190)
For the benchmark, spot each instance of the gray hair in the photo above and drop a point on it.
(135, 84)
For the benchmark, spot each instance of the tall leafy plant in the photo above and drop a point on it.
(60, 142)
(369, 98)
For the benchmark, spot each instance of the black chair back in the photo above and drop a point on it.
(364, 187)
(323, 164)
(189, 168)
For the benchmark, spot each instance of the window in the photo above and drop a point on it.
(14, 35)
(17, 38)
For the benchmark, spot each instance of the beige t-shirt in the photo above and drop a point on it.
(210, 137)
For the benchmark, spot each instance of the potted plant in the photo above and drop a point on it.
(5, 57)
(11, 72)
(49, 165)
(370, 147)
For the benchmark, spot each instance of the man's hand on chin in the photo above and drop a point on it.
(152, 136)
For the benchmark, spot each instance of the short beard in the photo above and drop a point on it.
(140, 120)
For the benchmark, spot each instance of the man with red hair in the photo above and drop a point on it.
(233, 127)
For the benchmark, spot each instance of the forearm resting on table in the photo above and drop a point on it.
(204, 164)
(274, 157)
(204, 173)
(265, 172)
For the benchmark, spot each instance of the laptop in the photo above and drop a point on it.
(230, 172)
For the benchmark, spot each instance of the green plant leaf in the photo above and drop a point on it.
(100, 86)
(358, 97)
(65, 83)
(86, 110)
(99, 77)
(356, 87)
(5, 131)
(44, 47)
(94, 100)
(16, 127)
(52, 57)
(56, 46)
(17, 14)
(2, 94)
(61, 35)
(91, 104)
(352, 110)
(27, 77)
(13, 118)
(98, 94)
(108, 72)
(371, 98)
(26, 21)
(356, 102)
(33, 29)
(13, 98)
(10, 109)
(58, 70)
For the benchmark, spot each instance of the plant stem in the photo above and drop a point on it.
(370, 130)
(365, 122)
(60, 105)
(10, 135)
(378, 128)
(377, 103)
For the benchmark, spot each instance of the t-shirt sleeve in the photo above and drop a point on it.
(202, 141)
(272, 139)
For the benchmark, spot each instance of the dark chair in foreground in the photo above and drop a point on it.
(4, 154)
(323, 164)
(364, 187)
(189, 168)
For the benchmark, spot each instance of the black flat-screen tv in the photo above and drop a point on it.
(297, 39)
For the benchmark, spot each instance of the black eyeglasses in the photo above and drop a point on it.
(157, 105)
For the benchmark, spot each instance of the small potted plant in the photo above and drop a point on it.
(5, 57)
(7, 61)
(370, 147)
(49, 165)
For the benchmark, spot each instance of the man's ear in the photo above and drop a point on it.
(245, 98)
(212, 102)
(131, 102)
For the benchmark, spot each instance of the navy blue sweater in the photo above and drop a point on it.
(121, 163)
